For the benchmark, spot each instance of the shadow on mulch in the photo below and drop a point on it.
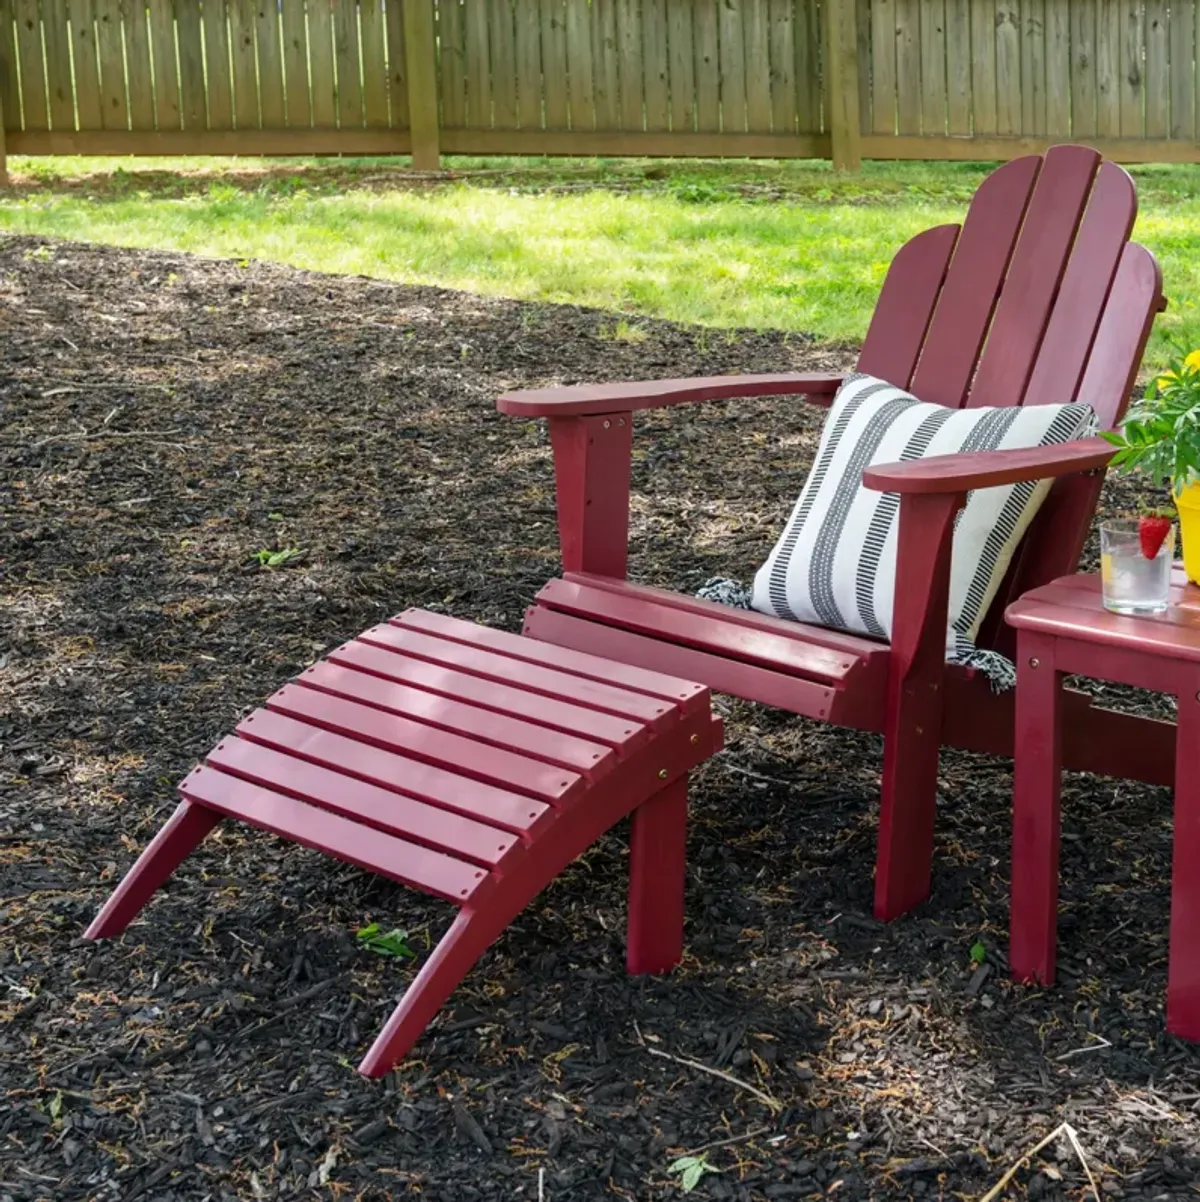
(166, 419)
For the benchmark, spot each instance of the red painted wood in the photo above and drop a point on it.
(591, 479)
(553, 714)
(725, 675)
(180, 835)
(905, 306)
(963, 472)
(1037, 779)
(1183, 974)
(438, 786)
(657, 870)
(1023, 310)
(550, 682)
(856, 646)
(1087, 281)
(701, 631)
(690, 697)
(1094, 739)
(1083, 619)
(913, 720)
(483, 726)
(582, 400)
(1112, 366)
(517, 773)
(409, 863)
(973, 282)
(386, 809)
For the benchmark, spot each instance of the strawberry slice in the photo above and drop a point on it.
(1152, 533)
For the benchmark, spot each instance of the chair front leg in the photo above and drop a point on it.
(591, 476)
(913, 721)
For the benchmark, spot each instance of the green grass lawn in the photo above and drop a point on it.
(785, 245)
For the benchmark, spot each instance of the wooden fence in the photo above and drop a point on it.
(978, 79)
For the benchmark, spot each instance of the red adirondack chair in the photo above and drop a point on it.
(1038, 297)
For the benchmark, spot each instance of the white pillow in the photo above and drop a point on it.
(835, 563)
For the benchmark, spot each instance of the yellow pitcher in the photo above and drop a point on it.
(1187, 501)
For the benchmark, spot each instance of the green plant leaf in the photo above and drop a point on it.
(391, 943)
(978, 952)
(691, 1171)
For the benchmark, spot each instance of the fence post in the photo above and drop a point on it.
(420, 56)
(841, 83)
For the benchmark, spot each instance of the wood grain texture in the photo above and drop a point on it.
(756, 24)
(1132, 35)
(1083, 69)
(683, 63)
(218, 83)
(908, 66)
(1181, 40)
(190, 36)
(983, 68)
(958, 59)
(655, 65)
(934, 83)
(478, 65)
(1008, 67)
(114, 106)
(580, 65)
(1108, 67)
(88, 106)
(555, 85)
(346, 55)
(502, 40)
(57, 34)
(297, 107)
(452, 65)
(323, 74)
(733, 65)
(1032, 29)
(1057, 61)
(883, 67)
(245, 71)
(606, 89)
(373, 32)
(397, 67)
(269, 45)
(33, 71)
(1158, 69)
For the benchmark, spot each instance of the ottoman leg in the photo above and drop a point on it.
(657, 860)
(1183, 968)
(1037, 783)
(180, 835)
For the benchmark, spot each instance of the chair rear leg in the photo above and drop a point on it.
(180, 835)
(904, 857)
(657, 869)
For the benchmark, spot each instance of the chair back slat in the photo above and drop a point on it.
(1071, 332)
(902, 313)
(1054, 541)
(1034, 275)
(973, 283)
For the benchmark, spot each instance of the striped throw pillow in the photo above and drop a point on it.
(835, 563)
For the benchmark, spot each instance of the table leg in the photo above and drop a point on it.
(1037, 782)
(1183, 970)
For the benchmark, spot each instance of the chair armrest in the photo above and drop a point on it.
(582, 400)
(963, 472)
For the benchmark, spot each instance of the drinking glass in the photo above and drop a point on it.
(1133, 584)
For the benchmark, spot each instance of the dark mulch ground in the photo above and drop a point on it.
(165, 419)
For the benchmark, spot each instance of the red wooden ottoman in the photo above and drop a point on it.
(467, 763)
(1064, 629)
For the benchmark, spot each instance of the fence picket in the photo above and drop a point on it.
(397, 68)
(1182, 39)
(758, 65)
(34, 104)
(708, 66)
(554, 65)
(682, 67)
(346, 58)
(958, 59)
(983, 67)
(270, 64)
(114, 105)
(933, 67)
(1058, 69)
(579, 65)
(216, 66)
(58, 65)
(1108, 68)
(452, 63)
(883, 67)
(1032, 30)
(1008, 67)
(374, 63)
(606, 85)
(295, 66)
(191, 65)
(1158, 70)
(245, 69)
(501, 41)
(732, 53)
(1132, 70)
(1083, 68)
(783, 68)
(478, 67)
(908, 66)
(654, 64)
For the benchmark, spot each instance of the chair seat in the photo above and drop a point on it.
(808, 670)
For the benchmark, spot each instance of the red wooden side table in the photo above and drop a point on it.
(1063, 628)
